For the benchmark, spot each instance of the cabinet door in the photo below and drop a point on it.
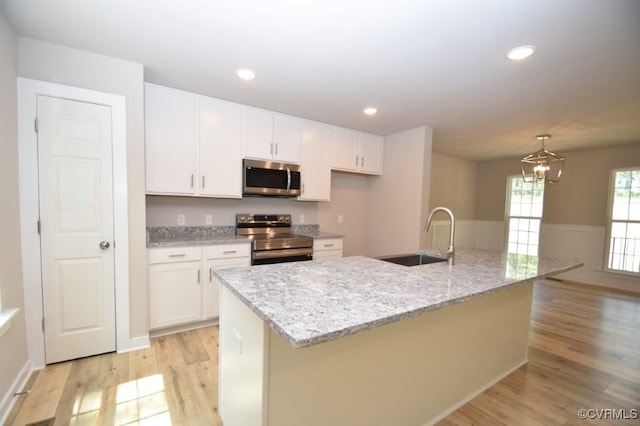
(258, 133)
(344, 144)
(211, 296)
(220, 148)
(286, 138)
(315, 155)
(370, 153)
(170, 140)
(175, 293)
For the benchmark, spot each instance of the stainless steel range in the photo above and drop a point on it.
(272, 239)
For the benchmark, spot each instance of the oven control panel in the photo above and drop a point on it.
(254, 219)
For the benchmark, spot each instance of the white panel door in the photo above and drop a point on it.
(176, 297)
(370, 153)
(76, 214)
(211, 296)
(286, 138)
(258, 133)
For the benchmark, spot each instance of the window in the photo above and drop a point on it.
(524, 214)
(624, 221)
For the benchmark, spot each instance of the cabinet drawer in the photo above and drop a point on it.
(174, 254)
(228, 250)
(327, 244)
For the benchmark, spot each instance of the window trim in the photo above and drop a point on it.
(609, 221)
(507, 208)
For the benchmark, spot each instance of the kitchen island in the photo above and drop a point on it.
(357, 340)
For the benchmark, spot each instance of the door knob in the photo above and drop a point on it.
(104, 245)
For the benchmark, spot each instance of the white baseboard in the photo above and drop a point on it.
(8, 400)
(134, 343)
(183, 327)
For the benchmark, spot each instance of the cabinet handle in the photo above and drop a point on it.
(276, 148)
(210, 274)
(229, 251)
(357, 161)
(328, 245)
(303, 188)
(362, 162)
(198, 276)
(178, 255)
(192, 181)
(271, 148)
(202, 181)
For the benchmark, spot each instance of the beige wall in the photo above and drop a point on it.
(580, 198)
(13, 345)
(164, 210)
(454, 184)
(58, 64)
(397, 200)
(349, 200)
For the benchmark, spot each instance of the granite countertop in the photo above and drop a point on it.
(184, 236)
(313, 302)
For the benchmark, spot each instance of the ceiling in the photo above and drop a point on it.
(439, 63)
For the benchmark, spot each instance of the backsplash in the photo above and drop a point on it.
(203, 233)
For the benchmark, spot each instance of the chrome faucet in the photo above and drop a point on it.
(450, 254)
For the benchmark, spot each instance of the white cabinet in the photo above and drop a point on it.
(356, 151)
(182, 286)
(175, 286)
(271, 136)
(220, 148)
(315, 159)
(193, 144)
(171, 140)
(327, 247)
(218, 257)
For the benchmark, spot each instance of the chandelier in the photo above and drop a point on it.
(542, 166)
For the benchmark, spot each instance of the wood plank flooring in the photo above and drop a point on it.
(584, 353)
(174, 382)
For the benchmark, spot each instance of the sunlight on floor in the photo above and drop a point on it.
(137, 402)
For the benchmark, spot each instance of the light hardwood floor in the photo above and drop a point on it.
(584, 353)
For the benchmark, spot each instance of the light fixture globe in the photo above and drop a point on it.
(542, 166)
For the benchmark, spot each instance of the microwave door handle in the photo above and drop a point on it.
(288, 179)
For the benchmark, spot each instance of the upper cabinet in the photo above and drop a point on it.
(357, 152)
(271, 136)
(315, 159)
(193, 144)
(220, 148)
(171, 127)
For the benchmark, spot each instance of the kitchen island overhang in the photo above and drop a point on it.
(361, 341)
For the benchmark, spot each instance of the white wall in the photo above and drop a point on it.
(13, 344)
(163, 210)
(58, 64)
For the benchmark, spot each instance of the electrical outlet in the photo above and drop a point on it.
(208, 219)
(301, 218)
(340, 218)
(180, 219)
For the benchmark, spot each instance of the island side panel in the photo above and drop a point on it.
(410, 372)
(242, 364)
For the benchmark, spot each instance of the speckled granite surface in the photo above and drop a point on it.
(314, 302)
(192, 236)
(182, 236)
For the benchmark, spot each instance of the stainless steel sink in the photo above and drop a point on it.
(413, 259)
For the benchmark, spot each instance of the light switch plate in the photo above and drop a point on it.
(180, 219)
(208, 219)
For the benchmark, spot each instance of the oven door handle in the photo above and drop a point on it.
(270, 254)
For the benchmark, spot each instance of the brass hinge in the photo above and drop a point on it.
(35, 124)
(39, 227)
(43, 324)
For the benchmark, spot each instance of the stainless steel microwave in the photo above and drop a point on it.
(270, 178)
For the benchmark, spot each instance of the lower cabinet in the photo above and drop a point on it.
(326, 248)
(182, 286)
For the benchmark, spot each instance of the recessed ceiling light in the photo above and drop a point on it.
(521, 52)
(370, 110)
(245, 73)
